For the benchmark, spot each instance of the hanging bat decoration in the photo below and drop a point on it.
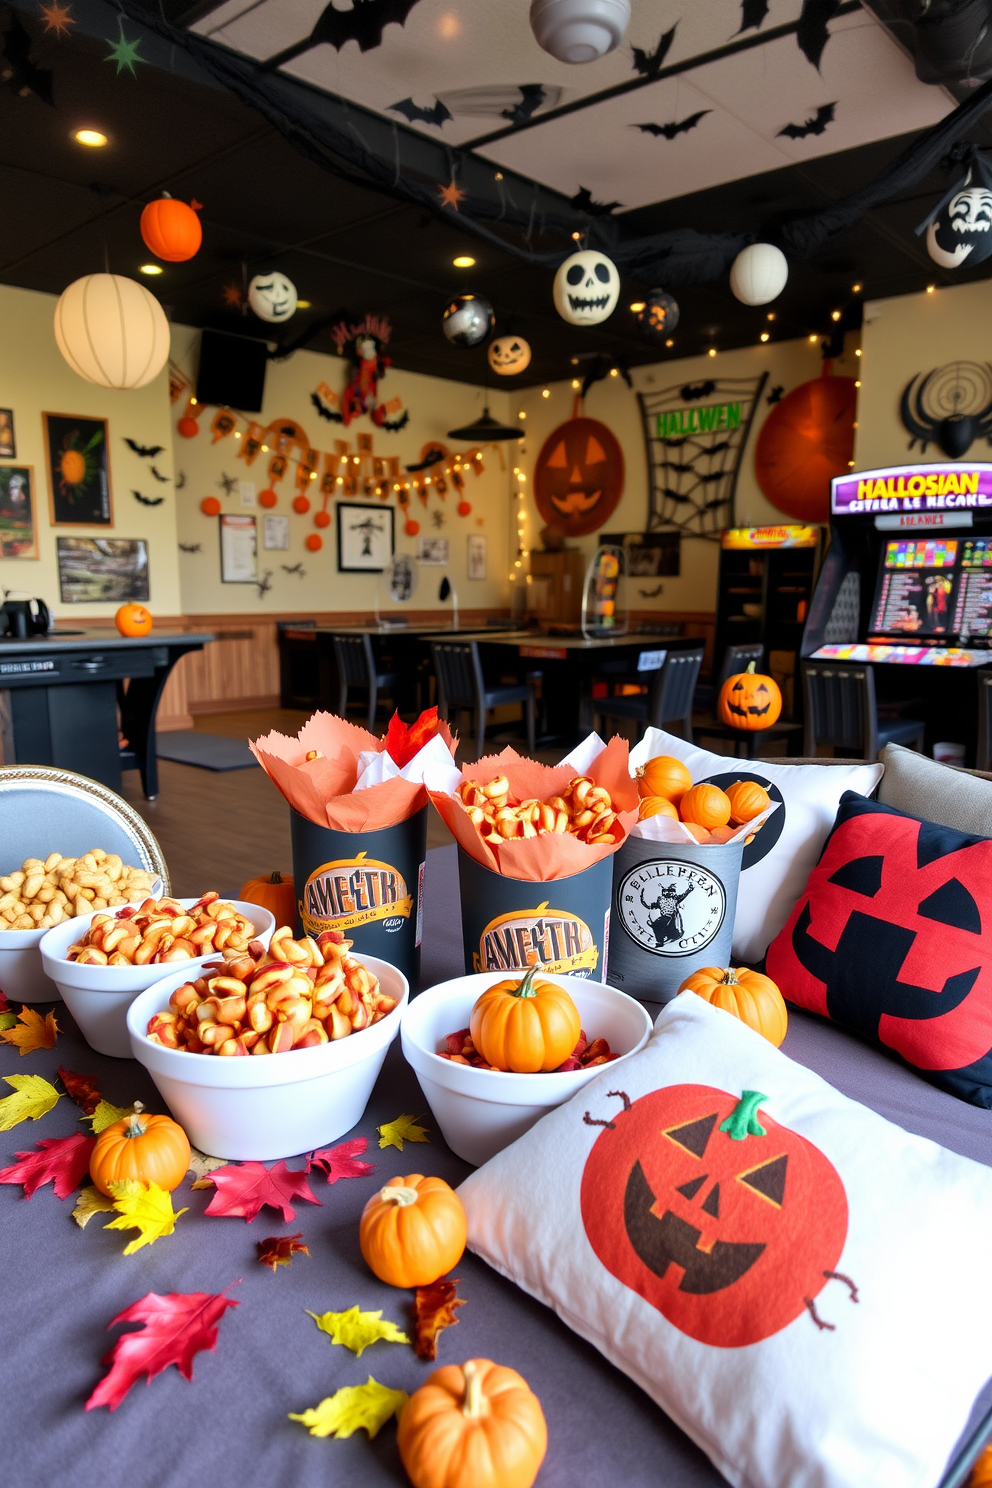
(813, 33)
(158, 476)
(191, 547)
(648, 64)
(651, 593)
(364, 23)
(146, 451)
(753, 13)
(775, 396)
(694, 390)
(228, 484)
(532, 96)
(20, 74)
(264, 584)
(180, 480)
(816, 125)
(294, 568)
(583, 202)
(147, 500)
(677, 126)
(438, 115)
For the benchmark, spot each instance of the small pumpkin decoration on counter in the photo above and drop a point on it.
(664, 776)
(749, 700)
(706, 805)
(474, 1425)
(656, 806)
(412, 1231)
(133, 620)
(140, 1148)
(748, 995)
(274, 892)
(525, 1025)
(747, 800)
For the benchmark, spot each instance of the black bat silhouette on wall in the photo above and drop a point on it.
(532, 95)
(812, 32)
(681, 126)
(146, 451)
(18, 71)
(158, 477)
(815, 125)
(651, 593)
(775, 396)
(753, 12)
(295, 568)
(694, 390)
(583, 202)
(437, 115)
(148, 500)
(648, 63)
(364, 23)
(191, 547)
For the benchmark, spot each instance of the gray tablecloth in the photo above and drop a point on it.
(62, 1286)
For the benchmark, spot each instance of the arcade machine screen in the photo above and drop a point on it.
(973, 606)
(915, 595)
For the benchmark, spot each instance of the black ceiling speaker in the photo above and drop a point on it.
(951, 39)
(485, 430)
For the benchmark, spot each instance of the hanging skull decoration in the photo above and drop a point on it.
(272, 297)
(468, 320)
(509, 355)
(961, 232)
(587, 287)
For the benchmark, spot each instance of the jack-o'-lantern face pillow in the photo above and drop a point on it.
(578, 479)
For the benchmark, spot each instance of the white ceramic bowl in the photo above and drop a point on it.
(277, 1105)
(98, 997)
(482, 1111)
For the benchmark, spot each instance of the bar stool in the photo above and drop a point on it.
(461, 684)
(669, 701)
(841, 711)
(357, 668)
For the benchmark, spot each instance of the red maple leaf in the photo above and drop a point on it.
(178, 1326)
(341, 1161)
(62, 1161)
(243, 1188)
(4, 1004)
(83, 1089)
(403, 740)
(433, 1310)
(279, 1250)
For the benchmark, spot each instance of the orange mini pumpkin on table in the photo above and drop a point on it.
(664, 776)
(474, 1425)
(412, 1231)
(133, 620)
(747, 995)
(656, 806)
(525, 1025)
(706, 805)
(274, 892)
(747, 800)
(142, 1149)
(749, 700)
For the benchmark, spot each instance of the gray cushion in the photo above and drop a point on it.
(921, 787)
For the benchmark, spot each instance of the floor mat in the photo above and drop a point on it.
(207, 751)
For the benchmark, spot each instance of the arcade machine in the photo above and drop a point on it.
(906, 586)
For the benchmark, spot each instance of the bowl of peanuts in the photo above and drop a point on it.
(320, 1018)
(45, 892)
(479, 1111)
(100, 962)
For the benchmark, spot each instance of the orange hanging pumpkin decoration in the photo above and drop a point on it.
(749, 700)
(475, 1425)
(273, 892)
(171, 229)
(133, 620)
(142, 1149)
(805, 442)
(747, 800)
(210, 506)
(579, 476)
(413, 1231)
(706, 805)
(525, 1026)
(656, 806)
(748, 995)
(664, 776)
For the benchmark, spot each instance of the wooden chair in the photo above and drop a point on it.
(668, 705)
(461, 684)
(841, 711)
(357, 668)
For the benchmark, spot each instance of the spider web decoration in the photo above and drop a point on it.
(957, 393)
(695, 435)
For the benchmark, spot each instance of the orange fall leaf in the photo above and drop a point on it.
(31, 1031)
(433, 1310)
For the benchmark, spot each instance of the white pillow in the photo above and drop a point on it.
(837, 1322)
(787, 848)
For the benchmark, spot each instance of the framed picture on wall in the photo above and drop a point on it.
(476, 555)
(275, 533)
(238, 549)
(8, 445)
(365, 537)
(102, 570)
(76, 452)
(18, 517)
(433, 552)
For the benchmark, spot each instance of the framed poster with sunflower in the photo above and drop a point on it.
(76, 450)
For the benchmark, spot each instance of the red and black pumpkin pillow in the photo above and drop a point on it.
(892, 937)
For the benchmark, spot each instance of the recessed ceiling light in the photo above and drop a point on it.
(92, 137)
(150, 269)
(637, 307)
(464, 261)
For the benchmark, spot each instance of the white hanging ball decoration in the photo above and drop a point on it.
(272, 297)
(759, 274)
(579, 30)
(112, 331)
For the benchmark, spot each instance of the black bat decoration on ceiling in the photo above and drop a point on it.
(532, 95)
(148, 500)
(583, 202)
(753, 13)
(648, 63)
(677, 126)
(158, 477)
(364, 23)
(437, 115)
(775, 396)
(694, 390)
(19, 72)
(813, 33)
(191, 547)
(146, 451)
(815, 125)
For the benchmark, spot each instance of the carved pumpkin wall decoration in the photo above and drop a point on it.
(805, 442)
(579, 475)
(726, 1222)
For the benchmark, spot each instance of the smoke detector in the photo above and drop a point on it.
(579, 30)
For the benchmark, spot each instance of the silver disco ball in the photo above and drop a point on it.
(468, 320)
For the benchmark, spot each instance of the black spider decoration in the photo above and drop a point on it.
(950, 407)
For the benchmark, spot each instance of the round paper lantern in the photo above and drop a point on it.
(509, 355)
(411, 528)
(587, 287)
(272, 297)
(267, 498)
(660, 315)
(578, 478)
(961, 232)
(188, 427)
(301, 505)
(759, 274)
(468, 320)
(805, 442)
(579, 30)
(171, 229)
(464, 508)
(322, 519)
(314, 542)
(210, 506)
(112, 331)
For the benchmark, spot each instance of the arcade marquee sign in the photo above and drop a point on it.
(912, 488)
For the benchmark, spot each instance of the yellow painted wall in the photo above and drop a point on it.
(35, 379)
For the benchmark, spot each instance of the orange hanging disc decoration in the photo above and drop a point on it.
(210, 506)
(314, 542)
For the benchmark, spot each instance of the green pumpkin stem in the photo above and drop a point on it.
(135, 1126)
(743, 1119)
(526, 987)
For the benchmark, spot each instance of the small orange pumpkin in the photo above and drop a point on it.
(749, 700)
(171, 229)
(273, 892)
(133, 620)
(748, 995)
(412, 1231)
(525, 1026)
(722, 834)
(701, 834)
(656, 806)
(747, 800)
(142, 1148)
(664, 776)
(706, 805)
(474, 1425)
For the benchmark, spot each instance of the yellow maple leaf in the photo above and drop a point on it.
(353, 1408)
(403, 1129)
(147, 1210)
(105, 1115)
(31, 1031)
(355, 1329)
(91, 1201)
(33, 1097)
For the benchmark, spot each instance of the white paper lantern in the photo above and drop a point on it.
(112, 331)
(579, 30)
(272, 297)
(759, 274)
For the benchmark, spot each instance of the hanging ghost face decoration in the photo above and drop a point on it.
(660, 315)
(272, 297)
(468, 320)
(509, 355)
(587, 287)
(962, 231)
(578, 479)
